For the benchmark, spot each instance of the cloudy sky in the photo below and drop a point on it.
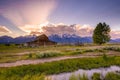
(23, 17)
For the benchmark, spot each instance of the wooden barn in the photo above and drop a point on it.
(41, 40)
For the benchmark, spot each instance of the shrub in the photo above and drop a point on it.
(89, 50)
(112, 48)
(105, 57)
(76, 52)
(30, 55)
(47, 54)
(77, 49)
(108, 48)
(118, 49)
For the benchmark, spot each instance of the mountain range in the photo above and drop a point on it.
(17, 40)
(65, 38)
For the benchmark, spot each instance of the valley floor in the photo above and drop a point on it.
(43, 60)
(24, 56)
(39, 63)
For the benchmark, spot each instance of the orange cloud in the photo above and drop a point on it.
(31, 28)
(85, 30)
(3, 29)
(30, 12)
(60, 29)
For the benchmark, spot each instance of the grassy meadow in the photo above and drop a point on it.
(57, 67)
(107, 55)
(14, 53)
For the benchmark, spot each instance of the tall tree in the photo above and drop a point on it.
(101, 33)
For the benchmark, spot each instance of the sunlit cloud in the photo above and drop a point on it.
(84, 30)
(22, 16)
(27, 12)
(3, 29)
(30, 29)
(60, 29)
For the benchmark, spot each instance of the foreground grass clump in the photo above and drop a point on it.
(34, 77)
(112, 76)
(79, 77)
(26, 77)
(83, 77)
(75, 53)
(112, 48)
(96, 76)
(73, 77)
(47, 54)
(57, 67)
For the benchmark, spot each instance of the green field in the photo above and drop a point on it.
(14, 53)
(57, 67)
(107, 55)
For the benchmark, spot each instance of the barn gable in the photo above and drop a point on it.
(41, 40)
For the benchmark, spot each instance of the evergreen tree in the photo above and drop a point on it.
(101, 33)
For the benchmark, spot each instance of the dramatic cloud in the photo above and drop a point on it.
(3, 29)
(33, 28)
(9, 25)
(26, 12)
(21, 16)
(59, 29)
(85, 30)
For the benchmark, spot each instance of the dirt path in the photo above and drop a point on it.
(37, 61)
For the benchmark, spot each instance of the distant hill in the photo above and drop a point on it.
(17, 40)
(115, 40)
(23, 39)
(6, 40)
